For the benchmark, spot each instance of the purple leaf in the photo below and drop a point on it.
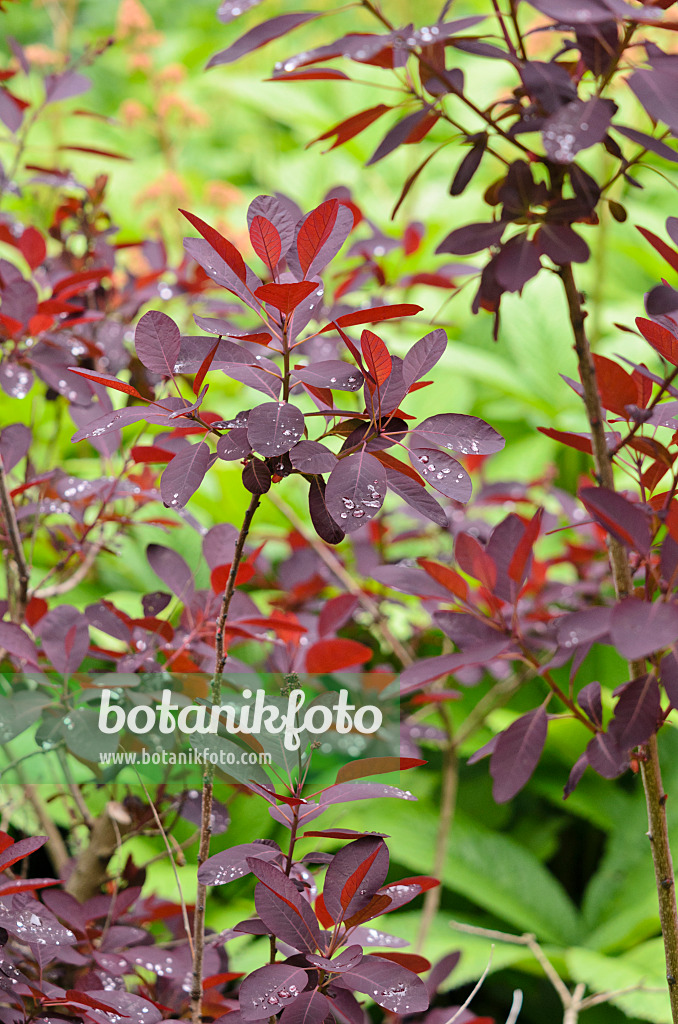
(308, 1008)
(638, 628)
(466, 434)
(312, 457)
(410, 580)
(11, 113)
(15, 380)
(101, 617)
(157, 340)
(668, 673)
(230, 864)
(441, 971)
(65, 86)
(583, 627)
(35, 925)
(282, 213)
(415, 676)
(194, 348)
(111, 421)
(576, 126)
(269, 989)
(260, 35)
(331, 373)
(64, 632)
(17, 643)
(355, 491)
(416, 497)
(398, 134)
(349, 958)
(375, 937)
(575, 775)
(184, 474)
(561, 244)
(323, 523)
(219, 544)
(390, 985)
(606, 756)
(288, 917)
(215, 267)
(655, 90)
(517, 263)
(345, 792)
(470, 164)
(274, 428)
(516, 754)
(15, 441)
(443, 472)
(583, 12)
(472, 238)
(648, 142)
(256, 477)
(234, 445)
(229, 10)
(172, 570)
(132, 1008)
(625, 521)
(637, 713)
(354, 876)
(264, 378)
(423, 356)
(590, 701)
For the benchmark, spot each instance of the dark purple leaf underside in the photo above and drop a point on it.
(397, 135)
(256, 477)
(516, 754)
(655, 90)
(472, 238)
(308, 1008)
(655, 146)
(590, 701)
(323, 523)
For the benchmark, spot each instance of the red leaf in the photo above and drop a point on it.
(661, 339)
(151, 453)
(373, 316)
(474, 560)
(449, 579)
(75, 283)
(616, 387)
(95, 152)
(321, 912)
(352, 126)
(582, 442)
(368, 766)
(32, 246)
(107, 380)
(27, 885)
(285, 297)
(221, 245)
(410, 961)
(204, 367)
(266, 241)
(154, 625)
(376, 356)
(5, 841)
(337, 653)
(219, 576)
(17, 851)
(315, 231)
(669, 254)
(524, 547)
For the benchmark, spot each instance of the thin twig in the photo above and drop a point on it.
(19, 600)
(478, 986)
(516, 1007)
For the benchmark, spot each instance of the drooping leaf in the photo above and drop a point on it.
(323, 522)
(355, 491)
(590, 701)
(418, 498)
(469, 165)
(256, 477)
(516, 754)
(184, 474)
(157, 340)
(172, 570)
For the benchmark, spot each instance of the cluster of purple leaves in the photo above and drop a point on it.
(554, 113)
(346, 488)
